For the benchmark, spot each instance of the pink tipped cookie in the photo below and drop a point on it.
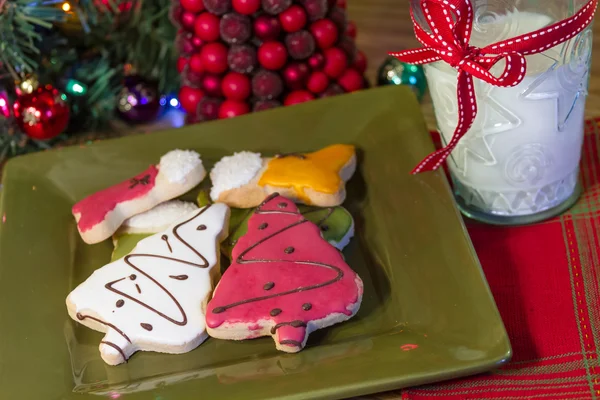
(99, 216)
(285, 281)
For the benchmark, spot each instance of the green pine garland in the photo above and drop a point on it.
(91, 46)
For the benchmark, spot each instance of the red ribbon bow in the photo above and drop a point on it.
(451, 22)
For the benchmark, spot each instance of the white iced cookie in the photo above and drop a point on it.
(99, 215)
(158, 218)
(245, 179)
(152, 299)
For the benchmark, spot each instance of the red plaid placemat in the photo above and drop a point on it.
(546, 281)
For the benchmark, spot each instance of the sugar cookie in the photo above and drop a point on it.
(244, 179)
(152, 299)
(148, 223)
(285, 281)
(98, 216)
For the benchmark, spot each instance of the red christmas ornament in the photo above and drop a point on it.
(351, 30)
(187, 20)
(206, 27)
(336, 62)
(275, 7)
(189, 98)
(214, 57)
(293, 19)
(235, 28)
(295, 75)
(242, 58)
(263, 105)
(267, 85)
(196, 63)
(351, 80)
(318, 81)
(185, 44)
(181, 63)
(217, 7)
(266, 27)
(191, 78)
(236, 86)
(208, 108)
(211, 84)
(316, 61)
(325, 33)
(316, 9)
(194, 6)
(42, 114)
(333, 90)
(246, 7)
(300, 44)
(360, 63)
(297, 97)
(232, 108)
(272, 55)
(341, 3)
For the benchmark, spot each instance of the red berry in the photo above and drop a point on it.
(295, 75)
(297, 97)
(236, 86)
(336, 62)
(300, 45)
(272, 55)
(339, 18)
(235, 28)
(333, 90)
(196, 63)
(318, 81)
(263, 105)
(197, 42)
(349, 47)
(293, 19)
(184, 43)
(325, 33)
(275, 7)
(217, 7)
(315, 9)
(187, 20)
(242, 59)
(214, 57)
(266, 27)
(316, 61)
(351, 29)
(266, 85)
(208, 108)
(191, 78)
(246, 7)
(189, 98)
(181, 63)
(351, 80)
(360, 63)
(212, 85)
(232, 108)
(207, 27)
(194, 6)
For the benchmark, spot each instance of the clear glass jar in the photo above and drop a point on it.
(519, 163)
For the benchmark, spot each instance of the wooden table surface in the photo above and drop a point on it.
(384, 25)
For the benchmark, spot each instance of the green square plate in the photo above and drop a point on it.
(427, 312)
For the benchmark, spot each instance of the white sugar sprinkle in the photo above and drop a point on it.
(176, 165)
(161, 216)
(233, 172)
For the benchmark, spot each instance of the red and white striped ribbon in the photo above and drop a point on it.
(451, 23)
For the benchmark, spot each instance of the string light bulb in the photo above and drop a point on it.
(66, 7)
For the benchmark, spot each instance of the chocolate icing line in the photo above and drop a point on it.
(81, 317)
(179, 277)
(117, 348)
(166, 239)
(146, 326)
(240, 260)
(127, 259)
(292, 342)
(295, 324)
(139, 290)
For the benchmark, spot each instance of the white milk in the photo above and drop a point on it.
(522, 154)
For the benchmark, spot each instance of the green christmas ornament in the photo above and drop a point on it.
(395, 72)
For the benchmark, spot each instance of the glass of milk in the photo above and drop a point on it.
(519, 163)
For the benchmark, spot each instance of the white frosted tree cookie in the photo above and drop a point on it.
(99, 215)
(152, 299)
(244, 179)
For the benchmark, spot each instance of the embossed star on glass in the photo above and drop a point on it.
(519, 163)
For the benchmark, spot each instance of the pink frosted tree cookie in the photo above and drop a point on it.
(285, 281)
